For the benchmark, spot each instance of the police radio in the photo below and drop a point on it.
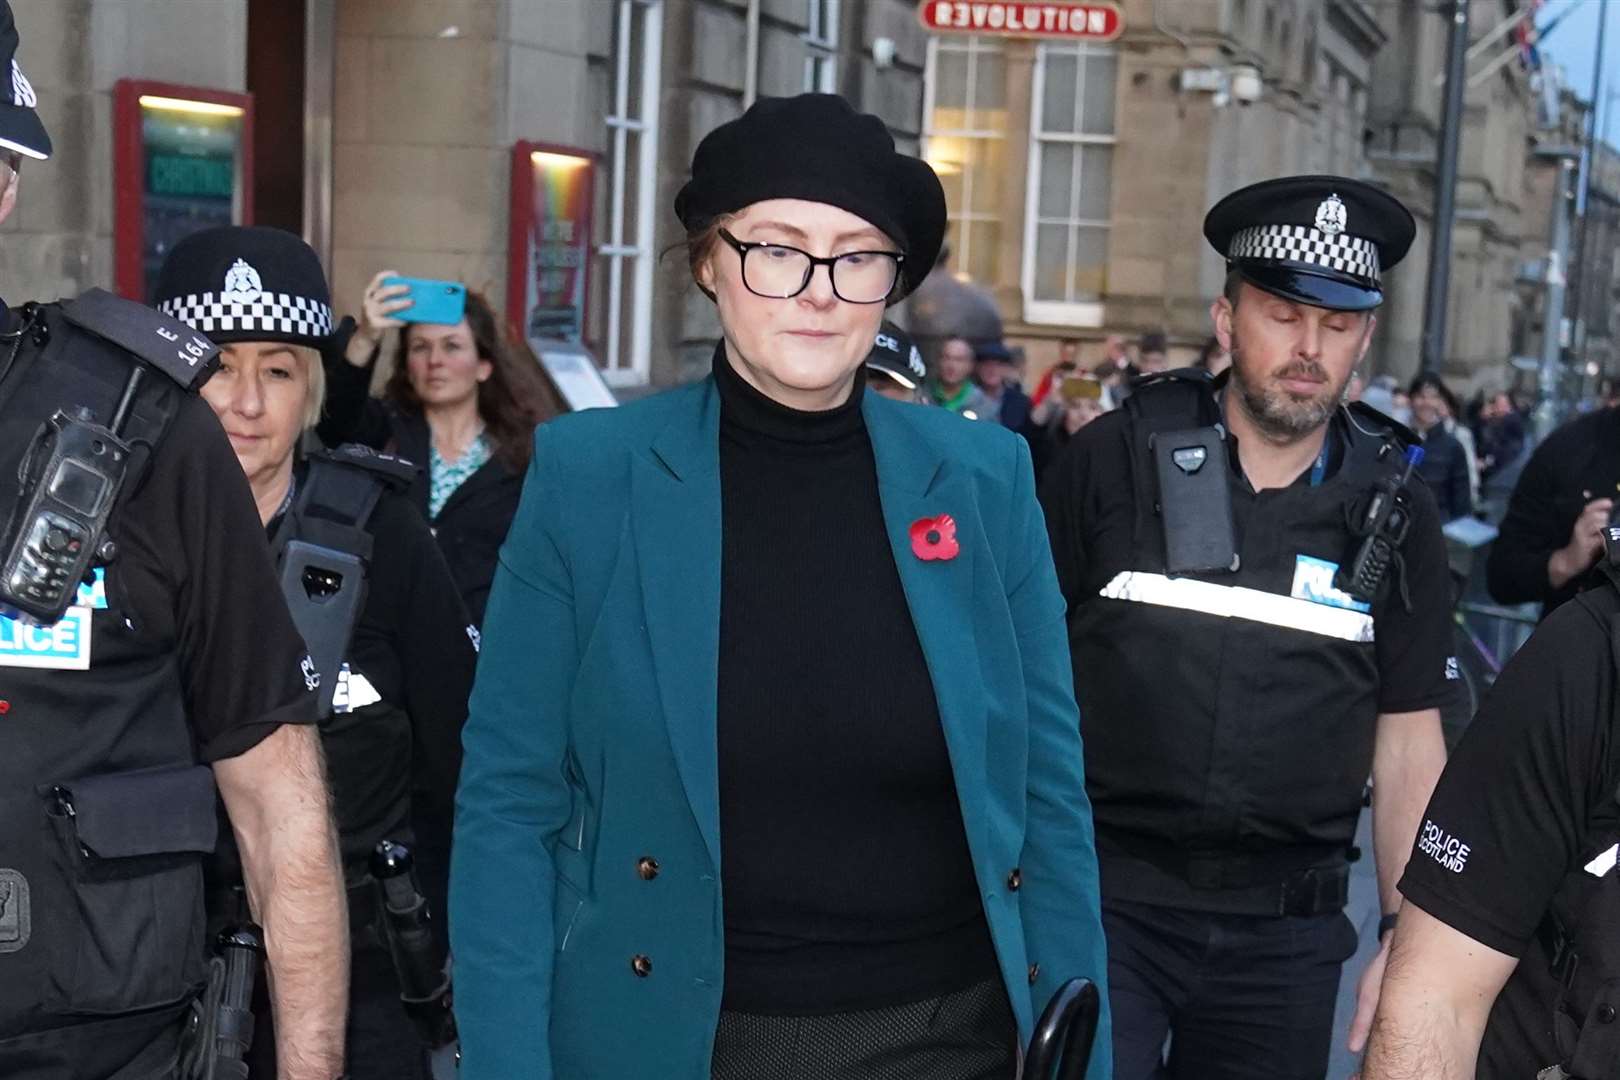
(1383, 529)
(70, 480)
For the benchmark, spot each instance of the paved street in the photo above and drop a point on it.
(1363, 911)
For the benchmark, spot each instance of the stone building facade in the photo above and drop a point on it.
(385, 130)
(1077, 174)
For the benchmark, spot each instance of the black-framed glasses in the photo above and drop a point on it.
(780, 272)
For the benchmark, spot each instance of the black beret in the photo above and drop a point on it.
(1320, 240)
(816, 147)
(247, 283)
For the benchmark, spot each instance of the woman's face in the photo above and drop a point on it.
(802, 351)
(443, 364)
(261, 395)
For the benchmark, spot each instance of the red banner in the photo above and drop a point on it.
(1023, 18)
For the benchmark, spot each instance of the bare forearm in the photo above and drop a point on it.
(282, 819)
(1416, 1040)
(1410, 755)
(301, 906)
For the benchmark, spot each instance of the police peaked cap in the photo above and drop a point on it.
(21, 129)
(896, 356)
(816, 147)
(247, 283)
(1319, 240)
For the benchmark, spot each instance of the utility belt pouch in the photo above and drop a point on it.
(124, 822)
(129, 857)
(1317, 891)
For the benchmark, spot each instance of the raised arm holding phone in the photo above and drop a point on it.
(461, 405)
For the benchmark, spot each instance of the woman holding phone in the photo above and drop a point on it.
(772, 767)
(461, 404)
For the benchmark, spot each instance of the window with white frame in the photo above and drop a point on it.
(1071, 165)
(965, 140)
(623, 287)
(821, 45)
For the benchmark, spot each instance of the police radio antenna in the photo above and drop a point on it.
(127, 400)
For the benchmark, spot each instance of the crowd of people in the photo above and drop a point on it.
(1472, 454)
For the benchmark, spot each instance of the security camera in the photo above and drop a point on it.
(1246, 85)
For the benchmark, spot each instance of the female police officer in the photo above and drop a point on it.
(773, 767)
(399, 666)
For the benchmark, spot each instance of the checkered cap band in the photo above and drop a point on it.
(273, 313)
(1302, 244)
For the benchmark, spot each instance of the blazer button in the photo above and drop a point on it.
(647, 867)
(1034, 973)
(641, 965)
(1015, 879)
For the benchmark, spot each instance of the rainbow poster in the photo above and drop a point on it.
(557, 267)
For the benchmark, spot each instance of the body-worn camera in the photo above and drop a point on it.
(71, 478)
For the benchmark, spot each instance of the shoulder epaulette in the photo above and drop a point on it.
(397, 471)
(1181, 398)
(164, 343)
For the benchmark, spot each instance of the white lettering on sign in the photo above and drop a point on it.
(1443, 848)
(167, 335)
(1036, 18)
(63, 646)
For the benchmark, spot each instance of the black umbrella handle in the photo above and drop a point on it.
(1061, 1046)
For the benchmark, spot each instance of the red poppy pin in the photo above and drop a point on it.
(934, 538)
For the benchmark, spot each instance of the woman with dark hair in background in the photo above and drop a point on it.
(462, 404)
(1445, 463)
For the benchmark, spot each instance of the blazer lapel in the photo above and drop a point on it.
(915, 481)
(675, 518)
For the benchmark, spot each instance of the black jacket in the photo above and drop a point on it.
(1576, 464)
(1445, 469)
(473, 523)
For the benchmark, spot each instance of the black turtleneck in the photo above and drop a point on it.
(845, 865)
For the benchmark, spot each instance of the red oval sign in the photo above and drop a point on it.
(1022, 18)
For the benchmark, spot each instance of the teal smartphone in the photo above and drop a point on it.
(431, 301)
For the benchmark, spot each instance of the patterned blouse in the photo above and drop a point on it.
(445, 477)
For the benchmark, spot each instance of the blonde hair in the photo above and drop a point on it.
(315, 378)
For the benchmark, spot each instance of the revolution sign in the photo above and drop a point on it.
(1023, 18)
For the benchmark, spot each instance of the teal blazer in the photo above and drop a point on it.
(590, 741)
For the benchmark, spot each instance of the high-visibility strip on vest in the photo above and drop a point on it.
(1234, 602)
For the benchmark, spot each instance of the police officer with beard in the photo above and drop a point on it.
(1259, 614)
(147, 661)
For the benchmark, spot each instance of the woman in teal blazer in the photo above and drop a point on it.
(773, 765)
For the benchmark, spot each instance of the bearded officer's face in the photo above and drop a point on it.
(1290, 361)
